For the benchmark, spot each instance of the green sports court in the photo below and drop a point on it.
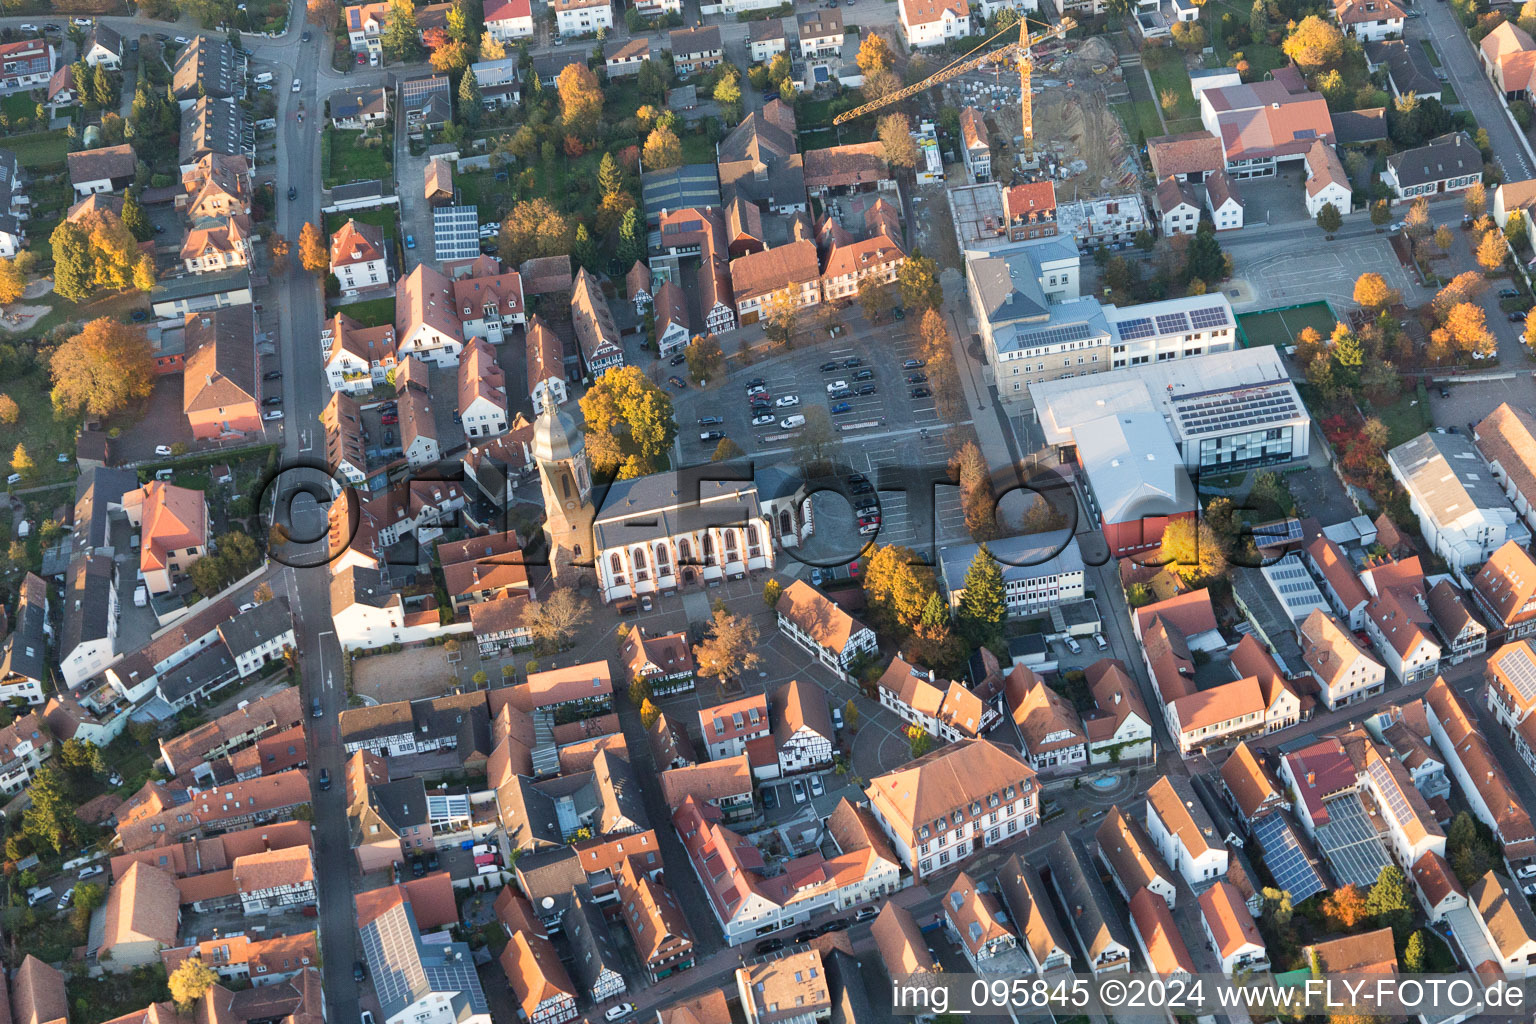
(1281, 326)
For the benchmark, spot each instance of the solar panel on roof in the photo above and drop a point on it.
(1141, 327)
(1350, 843)
(1287, 861)
(1397, 801)
(1172, 323)
(1519, 670)
(1210, 316)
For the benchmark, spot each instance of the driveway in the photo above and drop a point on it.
(415, 214)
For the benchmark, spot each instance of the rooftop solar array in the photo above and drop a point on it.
(1141, 327)
(1391, 792)
(1270, 534)
(1172, 323)
(1294, 584)
(390, 948)
(1518, 668)
(456, 232)
(1350, 843)
(1235, 410)
(1287, 861)
(1054, 335)
(1211, 316)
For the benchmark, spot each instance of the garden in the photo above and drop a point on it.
(356, 156)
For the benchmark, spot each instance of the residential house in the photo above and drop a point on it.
(27, 65)
(877, 258)
(664, 662)
(545, 365)
(1134, 863)
(1438, 888)
(597, 336)
(426, 323)
(1157, 936)
(275, 881)
(948, 804)
(1344, 671)
(1230, 931)
(901, 945)
(1223, 202)
(143, 916)
(1184, 833)
(23, 652)
(817, 624)
(973, 140)
(482, 392)
(1119, 728)
(802, 733)
(820, 33)
(656, 923)
(1369, 952)
(219, 374)
(926, 23)
(359, 109)
(539, 981)
(1462, 635)
(1449, 163)
(1339, 582)
(487, 299)
(1411, 827)
(173, 531)
(1179, 205)
(671, 313)
(727, 728)
(695, 49)
(365, 26)
(437, 979)
(949, 712)
(499, 81)
(973, 917)
(106, 169)
(1403, 634)
(1092, 918)
(760, 162)
(207, 66)
(1327, 182)
(509, 20)
(1369, 20)
(1052, 732)
(218, 245)
(789, 274)
(357, 257)
(582, 17)
(24, 745)
(793, 987)
(625, 56)
(345, 452)
(357, 358)
(1505, 589)
(1189, 156)
(765, 39)
(1471, 762)
(1507, 924)
(1508, 58)
(1040, 933)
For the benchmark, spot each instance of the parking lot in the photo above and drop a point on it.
(892, 436)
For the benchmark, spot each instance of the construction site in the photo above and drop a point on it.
(1078, 140)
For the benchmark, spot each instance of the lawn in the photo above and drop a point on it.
(345, 158)
(1169, 75)
(1406, 419)
(1140, 117)
(21, 109)
(1448, 95)
(697, 149)
(373, 313)
(40, 151)
(1429, 51)
(44, 436)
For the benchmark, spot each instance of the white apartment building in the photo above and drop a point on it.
(582, 17)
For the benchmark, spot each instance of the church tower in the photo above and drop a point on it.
(566, 480)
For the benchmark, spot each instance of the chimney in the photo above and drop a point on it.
(932, 676)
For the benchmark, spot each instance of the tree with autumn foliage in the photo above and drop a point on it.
(1191, 549)
(103, 368)
(1345, 908)
(13, 283)
(277, 252)
(1373, 292)
(663, 151)
(1314, 43)
(450, 56)
(313, 254)
(730, 648)
(1466, 329)
(581, 100)
(1474, 201)
(1491, 251)
(534, 228)
(896, 588)
(874, 54)
(321, 13)
(1464, 287)
(978, 498)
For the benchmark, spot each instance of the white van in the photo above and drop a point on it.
(141, 596)
(263, 78)
(13, 479)
(39, 894)
(791, 422)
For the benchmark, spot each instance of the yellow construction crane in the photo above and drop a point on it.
(1026, 65)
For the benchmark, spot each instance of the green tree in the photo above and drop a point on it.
(1389, 902)
(1206, 262)
(470, 103)
(583, 249)
(632, 243)
(50, 822)
(639, 691)
(896, 588)
(81, 757)
(983, 608)
(72, 271)
(102, 90)
(610, 176)
(728, 95)
(399, 39)
(457, 21)
(1277, 903)
(918, 279)
(1381, 213)
(135, 219)
(1328, 218)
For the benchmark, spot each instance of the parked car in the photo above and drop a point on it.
(293, 193)
(359, 972)
(817, 789)
(367, 1017)
(305, 37)
(768, 946)
(1517, 317)
(865, 914)
(754, 384)
(272, 400)
(314, 708)
(917, 378)
(677, 381)
(389, 418)
(836, 925)
(275, 414)
(798, 788)
(1073, 645)
(27, 27)
(92, 871)
(325, 779)
(1508, 293)
(837, 385)
(837, 718)
(791, 422)
(840, 408)
(678, 360)
(619, 1012)
(864, 375)
(762, 419)
(785, 401)
(867, 389)
(706, 436)
(410, 241)
(841, 393)
(162, 450)
(710, 421)
(770, 801)
(849, 364)
(1100, 642)
(913, 364)
(829, 367)
(1445, 392)
(362, 59)
(862, 487)
(804, 936)
(921, 392)
(66, 899)
(272, 375)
